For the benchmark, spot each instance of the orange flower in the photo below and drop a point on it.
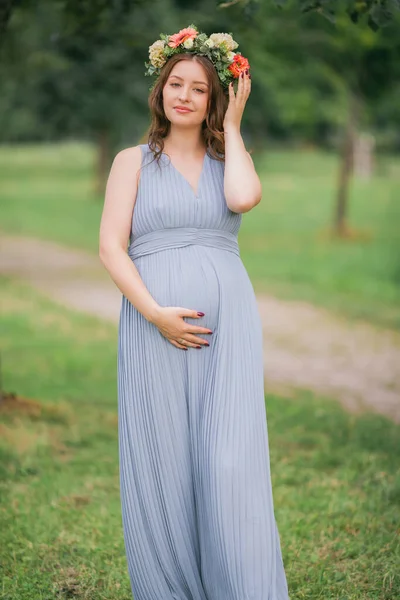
(178, 38)
(240, 63)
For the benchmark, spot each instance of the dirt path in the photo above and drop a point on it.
(305, 346)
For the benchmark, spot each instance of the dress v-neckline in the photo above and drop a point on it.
(196, 193)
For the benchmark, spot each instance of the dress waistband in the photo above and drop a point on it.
(178, 237)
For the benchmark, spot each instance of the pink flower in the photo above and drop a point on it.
(178, 38)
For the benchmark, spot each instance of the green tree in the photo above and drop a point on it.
(70, 70)
(377, 12)
(332, 69)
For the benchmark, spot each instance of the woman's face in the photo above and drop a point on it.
(185, 94)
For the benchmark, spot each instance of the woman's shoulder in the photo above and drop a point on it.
(129, 154)
(127, 162)
(134, 156)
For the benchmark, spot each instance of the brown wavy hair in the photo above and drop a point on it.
(212, 126)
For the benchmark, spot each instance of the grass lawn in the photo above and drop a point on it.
(335, 475)
(47, 192)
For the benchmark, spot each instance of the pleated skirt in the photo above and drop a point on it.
(196, 495)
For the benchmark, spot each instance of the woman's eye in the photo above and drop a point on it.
(196, 89)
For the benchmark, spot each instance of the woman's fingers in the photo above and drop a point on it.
(248, 84)
(193, 338)
(243, 90)
(178, 345)
(239, 94)
(189, 341)
(187, 344)
(231, 92)
(245, 85)
(247, 80)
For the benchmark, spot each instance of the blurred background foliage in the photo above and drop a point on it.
(326, 73)
(71, 68)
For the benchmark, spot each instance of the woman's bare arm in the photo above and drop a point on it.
(242, 186)
(115, 229)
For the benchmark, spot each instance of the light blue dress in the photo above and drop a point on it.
(196, 496)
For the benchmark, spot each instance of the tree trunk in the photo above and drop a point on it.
(6, 9)
(1, 382)
(103, 160)
(364, 155)
(346, 168)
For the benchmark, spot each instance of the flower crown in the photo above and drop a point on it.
(219, 48)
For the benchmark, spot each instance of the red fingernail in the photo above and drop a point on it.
(198, 346)
(200, 314)
(206, 344)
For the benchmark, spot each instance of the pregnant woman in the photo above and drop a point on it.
(197, 504)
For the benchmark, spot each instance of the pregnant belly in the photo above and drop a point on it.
(197, 278)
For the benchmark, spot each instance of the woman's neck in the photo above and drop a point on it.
(184, 142)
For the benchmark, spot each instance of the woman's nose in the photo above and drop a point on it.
(183, 94)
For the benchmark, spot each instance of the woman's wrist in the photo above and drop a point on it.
(153, 313)
(231, 129)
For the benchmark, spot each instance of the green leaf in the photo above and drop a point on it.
(328, 14)
(372, 24)
(354, 15)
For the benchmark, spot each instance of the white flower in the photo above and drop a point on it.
(188, 43)
(156, 54)
(230, 56)
(209, 43)
(224, 38)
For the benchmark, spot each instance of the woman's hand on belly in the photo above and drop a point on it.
(171, 324)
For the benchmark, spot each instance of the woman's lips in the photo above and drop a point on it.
(182, 110)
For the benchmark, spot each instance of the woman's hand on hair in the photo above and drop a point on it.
(234, 113)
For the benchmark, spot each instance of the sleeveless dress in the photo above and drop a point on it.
(196, 497)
